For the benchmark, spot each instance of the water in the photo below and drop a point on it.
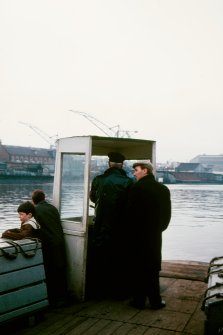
(12, 195)
(195, 231)
(196, 228)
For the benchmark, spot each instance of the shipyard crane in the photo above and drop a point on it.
(41, 133)
(114, 131)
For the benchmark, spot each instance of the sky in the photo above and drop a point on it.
(153, 68)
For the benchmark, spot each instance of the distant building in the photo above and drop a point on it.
(192, 167)
(215, 162)
(16, 160)
(196, 173)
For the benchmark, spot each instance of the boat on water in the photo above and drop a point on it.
(182, 283)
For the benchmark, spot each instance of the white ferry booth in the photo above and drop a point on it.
(78, 160)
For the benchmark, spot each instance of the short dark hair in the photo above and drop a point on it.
(37, 196)
(26, 207)
(116, 157)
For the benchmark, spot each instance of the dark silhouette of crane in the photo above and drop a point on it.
(42, 134)
(114, 131)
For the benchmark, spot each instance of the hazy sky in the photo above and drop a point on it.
(152, 66)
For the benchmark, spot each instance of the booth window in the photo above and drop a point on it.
(72, 187)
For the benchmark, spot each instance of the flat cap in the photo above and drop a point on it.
(148, 165)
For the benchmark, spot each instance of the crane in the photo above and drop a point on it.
(114, 131)
(41, 133)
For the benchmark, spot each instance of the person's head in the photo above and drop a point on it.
(26, 211)
(142, 169)
(37, 196)
(116, 159)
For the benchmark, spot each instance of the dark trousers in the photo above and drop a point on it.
(145, 284)
(106, 275)
(99, 272)
(56, 284)
(56, 273)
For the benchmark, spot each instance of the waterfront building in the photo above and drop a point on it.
(18, 160)
(215, 162)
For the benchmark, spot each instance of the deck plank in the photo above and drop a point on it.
(110, 328)
(185, 270)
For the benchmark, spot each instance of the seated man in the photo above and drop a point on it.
(29, 226)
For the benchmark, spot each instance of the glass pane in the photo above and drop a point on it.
(72, 187)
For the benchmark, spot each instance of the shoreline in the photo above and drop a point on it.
(10, 179)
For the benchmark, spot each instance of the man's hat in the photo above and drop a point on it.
(145, 165)
(116, 157)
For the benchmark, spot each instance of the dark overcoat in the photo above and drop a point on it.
(149, 213)
(53, 247)
(109, 193)
(51, 232)
(106, 257)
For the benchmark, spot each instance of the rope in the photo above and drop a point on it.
(9, 255)
(18, 247)
(31, 253)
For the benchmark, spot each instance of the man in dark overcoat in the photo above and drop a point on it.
(149, 214)
(109, 193)
(53, 248)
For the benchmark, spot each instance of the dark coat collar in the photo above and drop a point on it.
(114, 170)
(148, 177)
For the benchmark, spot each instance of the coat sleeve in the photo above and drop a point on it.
(18, 234)
(93, 191)
(96, 187)
(165, 210)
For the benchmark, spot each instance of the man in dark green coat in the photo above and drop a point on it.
(53, 247)
(109, 193)
(149, 214)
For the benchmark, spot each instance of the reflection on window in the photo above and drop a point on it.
(98, 165)
(72, 186)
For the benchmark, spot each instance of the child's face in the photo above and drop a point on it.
(24, 216)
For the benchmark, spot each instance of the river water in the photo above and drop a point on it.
(195, 231)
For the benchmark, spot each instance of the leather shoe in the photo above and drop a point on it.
(159, 306)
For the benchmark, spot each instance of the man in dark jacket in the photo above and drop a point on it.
(149, 214)
(108, 192)
(53, 247)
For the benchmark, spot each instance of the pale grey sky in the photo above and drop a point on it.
(154, 66)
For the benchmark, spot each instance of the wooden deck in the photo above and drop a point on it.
(182, 287)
